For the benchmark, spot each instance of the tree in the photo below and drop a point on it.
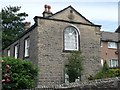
(12, 24)
(74, 66)
(18, 74)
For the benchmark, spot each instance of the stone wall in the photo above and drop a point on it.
(52, 57)
(100, 84)
(20, 41)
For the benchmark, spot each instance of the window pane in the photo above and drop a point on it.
(102, 62)
(71, 39)
(8, 52)
(112, 45)
(113, 63)
(16, 51)
(27, 44)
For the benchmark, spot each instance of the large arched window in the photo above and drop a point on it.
(71, 38)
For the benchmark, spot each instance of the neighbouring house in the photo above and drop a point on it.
(118, 31)
(48, 42)
(109, 49)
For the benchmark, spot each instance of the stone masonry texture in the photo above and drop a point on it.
(47, 46)
(51, 56)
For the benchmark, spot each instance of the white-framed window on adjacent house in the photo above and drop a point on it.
(27, 47)
(102, 62)
(112, 45)
(101, 44)
(8, 52)
(16, 51)
(71, 38)
(113, 63)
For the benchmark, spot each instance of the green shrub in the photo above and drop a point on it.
(74, 66)
(18, 74)
(105, 72)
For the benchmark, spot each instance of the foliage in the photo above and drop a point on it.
(21, 74)
(105, 68)
(105, 72)
(74, 66)
(12, 24)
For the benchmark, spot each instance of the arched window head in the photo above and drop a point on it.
(71, 39)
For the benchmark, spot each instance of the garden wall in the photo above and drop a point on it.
(104, 84)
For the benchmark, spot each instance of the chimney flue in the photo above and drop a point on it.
(49, 8)
(46, 6)
(47, 11)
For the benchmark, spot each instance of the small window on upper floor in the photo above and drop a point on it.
(8, 52)
(16, 51)
(26, 47)
(71, 39)
(112, 45)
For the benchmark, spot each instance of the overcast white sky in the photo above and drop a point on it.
(101, 12)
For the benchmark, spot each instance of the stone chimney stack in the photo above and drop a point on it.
(47, 11)
(27, 25)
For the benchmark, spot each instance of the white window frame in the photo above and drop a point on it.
(8, 52)
(101, 44)
(114, 45)
(76, 40)
(27, 47)
(102, 62)
(16, 51)
(112, 63)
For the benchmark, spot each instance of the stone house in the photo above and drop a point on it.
(109, 48)
(53, 36)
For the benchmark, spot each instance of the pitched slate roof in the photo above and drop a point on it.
(109, 36)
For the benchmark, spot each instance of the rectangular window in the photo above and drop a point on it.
(16, 51)
(27, 47)
(112, 45)
(101, 44)
(102, 62)
(113, 63)
(8, 52)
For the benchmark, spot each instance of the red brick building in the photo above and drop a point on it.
(109, 50)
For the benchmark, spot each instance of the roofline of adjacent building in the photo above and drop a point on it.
(108, 40)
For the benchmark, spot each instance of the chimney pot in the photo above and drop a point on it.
(49, 7)
(46, 6)
(27, 25)
(47, 11)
